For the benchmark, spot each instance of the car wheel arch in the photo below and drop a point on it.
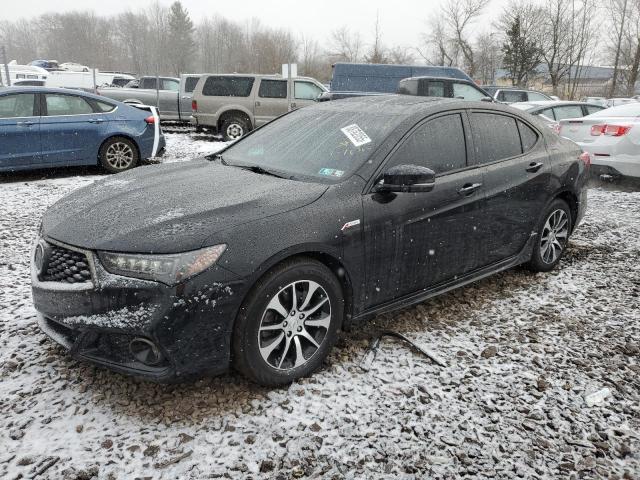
(328, 259)
(119, 135)
(234, 113)
(572, 200)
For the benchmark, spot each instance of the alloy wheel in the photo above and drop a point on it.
(119, 155)
(294, 325)
(554, 236)
(235, 131)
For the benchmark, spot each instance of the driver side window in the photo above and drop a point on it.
(438, 144)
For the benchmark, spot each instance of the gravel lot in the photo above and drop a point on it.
(523, 353)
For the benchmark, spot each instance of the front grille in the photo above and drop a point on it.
(64, 265)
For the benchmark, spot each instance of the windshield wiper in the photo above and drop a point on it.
(261, 171)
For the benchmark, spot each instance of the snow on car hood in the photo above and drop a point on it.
(170, 208)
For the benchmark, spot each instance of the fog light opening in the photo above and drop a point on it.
(145, 351)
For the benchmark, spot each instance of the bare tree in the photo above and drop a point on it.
(439, 48)
(377, 52)
(346, 46)
(618, 9)
(460, 15)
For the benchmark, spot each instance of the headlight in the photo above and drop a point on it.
(169, 268)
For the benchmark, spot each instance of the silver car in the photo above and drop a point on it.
(236, 104)
(611, 136)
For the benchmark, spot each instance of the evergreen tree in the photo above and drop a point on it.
(181, 46)
(521, 54)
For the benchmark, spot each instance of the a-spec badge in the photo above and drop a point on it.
(350, 224)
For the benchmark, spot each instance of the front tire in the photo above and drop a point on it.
(288, 323)
(552, 238)
(118, 154)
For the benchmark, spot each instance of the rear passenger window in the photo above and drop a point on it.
(548, 112)
(495, 137)
(227, 86)
(528, 136)
(67, 105)
(273, 89)
(16, 106)
(104, 107)
(593, 109)
(439, 145)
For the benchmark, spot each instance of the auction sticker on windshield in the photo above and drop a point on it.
(356, 135)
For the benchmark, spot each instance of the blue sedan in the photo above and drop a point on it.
(50, 127)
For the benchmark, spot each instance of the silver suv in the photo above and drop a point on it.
(235, 104)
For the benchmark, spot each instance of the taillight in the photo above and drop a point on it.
(610, 130)
(194, 105)
(150, 119)
(617, 130)
(586, 158)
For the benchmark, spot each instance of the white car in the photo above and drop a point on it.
(614, 102)
(74, 67)
(611, 136)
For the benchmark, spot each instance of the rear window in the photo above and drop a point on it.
(495, 137)
(512, 96)
(228, 86)
(273, 89)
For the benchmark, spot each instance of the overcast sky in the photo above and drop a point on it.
(402, 22)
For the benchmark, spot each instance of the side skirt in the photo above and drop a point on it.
(442, 288)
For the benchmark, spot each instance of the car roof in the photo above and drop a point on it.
(72, 91)
(431, 77)
(406, 105)
(555, 103)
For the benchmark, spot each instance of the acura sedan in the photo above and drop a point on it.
(256, 257)
(53, 127)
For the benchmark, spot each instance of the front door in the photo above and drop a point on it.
(517, 182)
(305, 93)
(417, 240)
(19, 132)
(271, 101)
(71, 131)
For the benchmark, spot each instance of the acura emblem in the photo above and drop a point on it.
(39, 257)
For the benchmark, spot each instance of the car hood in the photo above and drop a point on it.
(170, 208)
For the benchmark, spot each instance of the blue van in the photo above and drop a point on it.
(381, 78)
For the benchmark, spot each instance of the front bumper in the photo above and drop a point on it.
(190, 323)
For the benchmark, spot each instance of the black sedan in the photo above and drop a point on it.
(258, 256)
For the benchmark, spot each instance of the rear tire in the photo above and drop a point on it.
(118, 154)
(234, 127)
(552, 238)
(289, 322)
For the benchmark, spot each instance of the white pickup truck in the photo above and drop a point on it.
(173, 97)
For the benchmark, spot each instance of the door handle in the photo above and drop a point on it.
(24, 124)
(469, 188)
(257, 104)
(96, 120)
(534, 167)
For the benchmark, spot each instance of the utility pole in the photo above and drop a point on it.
(6, 65)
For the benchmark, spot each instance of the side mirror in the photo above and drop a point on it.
(407, 178)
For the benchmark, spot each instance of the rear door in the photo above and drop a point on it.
(19, 131)
(517, 181)
(271, 100)
(417, 240)
(70, 129)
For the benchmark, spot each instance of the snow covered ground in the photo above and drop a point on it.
(523, 353)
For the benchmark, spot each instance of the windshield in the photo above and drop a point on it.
(313, 144)
(627, 110)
